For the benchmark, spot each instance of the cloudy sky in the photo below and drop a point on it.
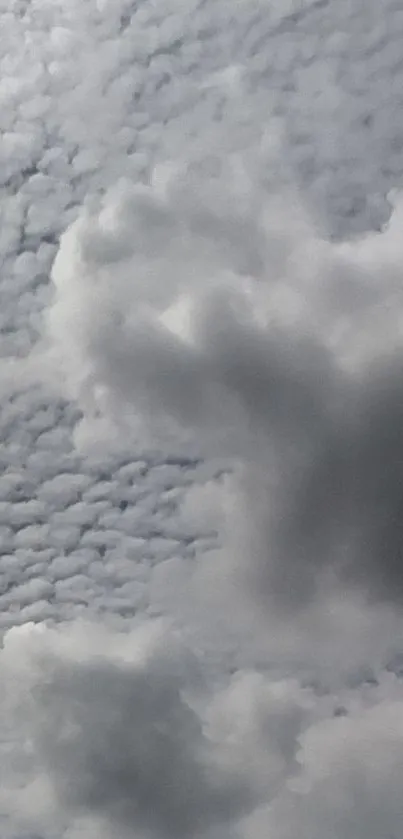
(201, 419)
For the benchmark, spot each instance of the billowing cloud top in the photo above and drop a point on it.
(201, 301)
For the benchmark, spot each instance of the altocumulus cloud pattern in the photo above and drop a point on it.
(201, 419)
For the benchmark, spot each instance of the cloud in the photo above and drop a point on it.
(258, 341)
(349, 780)
(107, 729)
(130, 733)
(201, 304)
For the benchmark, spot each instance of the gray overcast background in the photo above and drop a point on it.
(201, 419)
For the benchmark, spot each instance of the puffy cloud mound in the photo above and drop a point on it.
(107, 731)
(206, 304)
(350, 782)
(109, 734)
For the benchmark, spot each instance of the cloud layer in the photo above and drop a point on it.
(228, 358)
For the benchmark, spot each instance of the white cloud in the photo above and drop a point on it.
(349, 784)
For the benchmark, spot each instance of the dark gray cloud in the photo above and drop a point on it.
(335, 516)
(136, 755)
(114, 734)
(346, 510)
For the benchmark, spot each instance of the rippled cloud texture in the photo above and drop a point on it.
(201, 479)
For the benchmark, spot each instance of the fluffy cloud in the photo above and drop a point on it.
(118, 733)
(349, 783)
(194, 302)
(106, 728)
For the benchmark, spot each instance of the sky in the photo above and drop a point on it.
(201, 419)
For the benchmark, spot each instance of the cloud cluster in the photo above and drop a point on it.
(196, 306)
(113, 733)
(85, 535)
(349, 782)
(106, 727)
(202, 302)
